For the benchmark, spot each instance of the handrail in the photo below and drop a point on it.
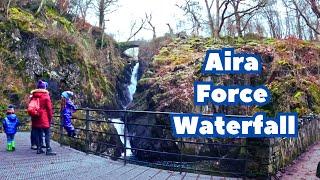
(86, 133)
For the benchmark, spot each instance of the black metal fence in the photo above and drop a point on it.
(153, 145)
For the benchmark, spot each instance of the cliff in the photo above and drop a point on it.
(67, 55)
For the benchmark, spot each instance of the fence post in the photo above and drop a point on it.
(87, 130)
(125, 137)
(180, 144)
(246, 158)
(61, 130)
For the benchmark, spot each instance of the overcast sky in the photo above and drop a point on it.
(120, 21)
(163, 12)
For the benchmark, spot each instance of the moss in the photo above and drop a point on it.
(315, 93)
(269, 41)
(52, 13)
(26, 21)
(298, 95)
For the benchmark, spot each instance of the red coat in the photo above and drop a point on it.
(46, 112)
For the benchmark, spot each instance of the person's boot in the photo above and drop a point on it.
(49, 152)
(318, 170)
(13, 144)
(34, 147)
(40, 151)
(9, 146)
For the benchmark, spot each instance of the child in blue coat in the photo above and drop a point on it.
(67, 109)
(10, 126)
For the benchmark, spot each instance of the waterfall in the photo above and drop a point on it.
(120, 127)
(133, 81)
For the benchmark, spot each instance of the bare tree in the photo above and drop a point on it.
(242, 10)
(191, 9)
(82, 7)
(136, 28)
(151, 26)
(216, 24)
(210, 18)
(272, 16)
(311, 8)
(105, 7)
(170, 29)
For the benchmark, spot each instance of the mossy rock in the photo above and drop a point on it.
(26, 21)
(52, 13)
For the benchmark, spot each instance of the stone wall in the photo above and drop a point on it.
(284, 150)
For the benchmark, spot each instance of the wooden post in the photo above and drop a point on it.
(87, 130)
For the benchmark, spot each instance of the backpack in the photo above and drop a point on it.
(34, 107)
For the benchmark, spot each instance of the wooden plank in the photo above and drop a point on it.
(163, 174)
(190, 176)
(134, 172)
(148, 174)
(177, 176)
(69, 163)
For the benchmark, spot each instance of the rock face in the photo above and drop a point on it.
(289, 70)
(289, 65)
(51, 48)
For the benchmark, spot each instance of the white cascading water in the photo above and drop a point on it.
(120, 127)
(120, 130)
(133, 82)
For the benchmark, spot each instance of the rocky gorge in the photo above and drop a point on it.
(73, 56)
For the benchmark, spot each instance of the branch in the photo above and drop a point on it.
(211, 4)
(247, 22)
(222, 16)
(314, 8)
(225, 1)
(304, 17)
(249, 10)
(143, 21)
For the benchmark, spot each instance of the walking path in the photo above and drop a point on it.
(305, 166)
(69, 164)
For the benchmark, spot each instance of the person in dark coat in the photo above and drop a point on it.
(67, 109)
(10, 126)
(41, 123)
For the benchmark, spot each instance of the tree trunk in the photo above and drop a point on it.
(154, 33)
(210, 19)
(299, 29)
(170, 30)
(216, 29)
(318, 29)
(237, 18)
(238, 24)
(101, 13)
(102, 36)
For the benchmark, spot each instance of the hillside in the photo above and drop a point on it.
(67, 55)
(290, 70)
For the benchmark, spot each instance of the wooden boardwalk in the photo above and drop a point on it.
(24, 163)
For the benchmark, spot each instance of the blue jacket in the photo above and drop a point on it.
(69, 108)
(10, 124)
(67, 113)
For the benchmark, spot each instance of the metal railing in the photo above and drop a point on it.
(226, 157)
(231, 156)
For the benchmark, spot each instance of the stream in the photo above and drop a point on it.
(120, 127)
